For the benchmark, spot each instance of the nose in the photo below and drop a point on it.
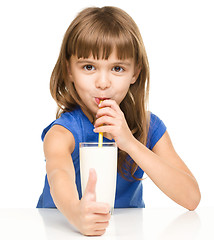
(103, 81)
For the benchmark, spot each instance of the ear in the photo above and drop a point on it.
(136, 74)
(69, 70)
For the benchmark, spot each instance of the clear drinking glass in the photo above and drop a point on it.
(104, 161)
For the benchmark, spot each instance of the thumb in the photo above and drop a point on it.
(91, 185)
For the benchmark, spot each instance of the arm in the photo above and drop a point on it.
(88, 216)
(164, 167)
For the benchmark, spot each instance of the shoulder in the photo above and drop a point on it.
(154, 120)
(156, 130)
(68, 120)
(59, 137)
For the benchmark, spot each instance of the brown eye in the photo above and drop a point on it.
(89, 67)
(118, 69)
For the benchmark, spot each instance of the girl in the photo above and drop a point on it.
(103, 58)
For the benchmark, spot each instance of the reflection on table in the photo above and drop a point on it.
(153, 223)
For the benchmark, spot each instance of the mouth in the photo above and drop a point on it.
(97, 100)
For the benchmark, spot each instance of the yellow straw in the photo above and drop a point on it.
(100, 141)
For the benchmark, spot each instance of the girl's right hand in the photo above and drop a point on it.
(91, 218)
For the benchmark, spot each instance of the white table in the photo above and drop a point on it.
(148, 223)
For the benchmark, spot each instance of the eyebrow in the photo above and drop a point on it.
(122, 63)
(85, 61)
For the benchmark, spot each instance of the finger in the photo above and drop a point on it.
(110, 103)
(101, 218)
(97, 233)
(101, 226)
(107, 129)
(91, 184)
(100, 208)
(107, 120)
(106, 111)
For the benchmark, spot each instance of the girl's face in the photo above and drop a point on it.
(95, 79)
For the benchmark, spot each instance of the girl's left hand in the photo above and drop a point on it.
(110, 119)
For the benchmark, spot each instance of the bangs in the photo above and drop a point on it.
(101, 43)
(99, 36)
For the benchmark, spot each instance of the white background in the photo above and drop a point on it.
(179, 39)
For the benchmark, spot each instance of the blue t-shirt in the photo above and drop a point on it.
(129, 193)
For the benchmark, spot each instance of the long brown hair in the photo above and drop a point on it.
(98, 31)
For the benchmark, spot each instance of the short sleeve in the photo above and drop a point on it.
(67, 121)
(156, 130)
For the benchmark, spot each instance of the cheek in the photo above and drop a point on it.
(121, 93)
(80, 90)
(79, 82)
(83, 88)
(124, 86)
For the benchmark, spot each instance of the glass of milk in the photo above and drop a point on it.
(104, 161)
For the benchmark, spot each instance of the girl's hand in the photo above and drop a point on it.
(91, 218)
(110, 119)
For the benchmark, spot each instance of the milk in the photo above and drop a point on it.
(104, 161)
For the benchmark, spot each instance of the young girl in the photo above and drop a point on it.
(103, 58)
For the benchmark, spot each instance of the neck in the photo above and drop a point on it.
(88, 115)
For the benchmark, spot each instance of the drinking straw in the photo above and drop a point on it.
(100, 140)
(100, 143)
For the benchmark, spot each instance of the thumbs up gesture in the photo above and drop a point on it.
(93, 216)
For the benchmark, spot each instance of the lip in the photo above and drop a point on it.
(98, 99)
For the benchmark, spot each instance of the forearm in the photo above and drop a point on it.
(64, 193)
(175, 183)
(88, 216)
